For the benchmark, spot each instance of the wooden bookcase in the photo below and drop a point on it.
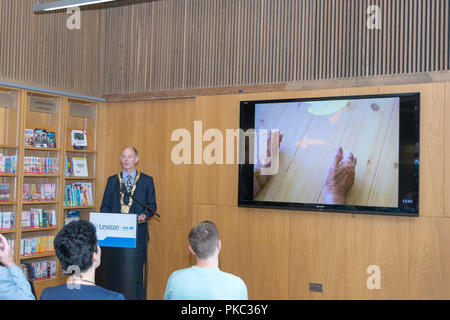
(10, 127)
(23, 109)
(82, 115)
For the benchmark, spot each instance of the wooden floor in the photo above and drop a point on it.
(311, 134)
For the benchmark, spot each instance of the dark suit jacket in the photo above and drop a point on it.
(145, 192)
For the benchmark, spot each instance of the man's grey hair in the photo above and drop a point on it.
(131, 147)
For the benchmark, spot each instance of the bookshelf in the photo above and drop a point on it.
(38, 183)
(10, 122)
(40, 189)
(81, 116)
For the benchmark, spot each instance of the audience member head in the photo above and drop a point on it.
(204, 240)
(76, 245)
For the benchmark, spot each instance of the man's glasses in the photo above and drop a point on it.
(127, 157)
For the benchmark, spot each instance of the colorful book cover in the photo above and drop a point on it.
(29, 138)
(13, 164)
(80, 168)
(2, 163)
(53, 213)
(79, 139)
(40, 138)
(7, 168)
(51, 139)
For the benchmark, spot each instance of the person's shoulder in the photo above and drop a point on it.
(145, 179)
(107, 294)
(113, 177)
(51, 292)
(145, 176)
(180, 273)
(232, 277)
(84, 293)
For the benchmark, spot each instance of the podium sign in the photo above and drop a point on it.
(116, 230)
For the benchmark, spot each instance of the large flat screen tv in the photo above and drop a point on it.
(356, 154)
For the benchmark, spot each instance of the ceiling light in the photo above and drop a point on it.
(63, 4)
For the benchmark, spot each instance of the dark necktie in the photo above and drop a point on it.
(129, 183)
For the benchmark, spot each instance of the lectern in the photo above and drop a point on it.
(116, 235)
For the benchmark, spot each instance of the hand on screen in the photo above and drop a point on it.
(340, 176)
(259, 180)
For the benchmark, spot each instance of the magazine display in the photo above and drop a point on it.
(79, 139)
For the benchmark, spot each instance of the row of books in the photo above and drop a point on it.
(6, 220)
(38, 218)
(39, 192)
(36, 165)
(4, 192)
(40, 138)
(76, 167)
(37, 245)
(39, 270)
(8, 164)
(78, 194)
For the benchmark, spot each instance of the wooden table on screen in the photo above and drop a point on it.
(368, 128)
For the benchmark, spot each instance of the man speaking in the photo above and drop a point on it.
(118, 198)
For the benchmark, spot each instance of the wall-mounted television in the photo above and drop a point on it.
(355, 154)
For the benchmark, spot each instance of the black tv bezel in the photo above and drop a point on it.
(404, 167)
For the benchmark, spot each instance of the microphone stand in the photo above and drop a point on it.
(148, 209)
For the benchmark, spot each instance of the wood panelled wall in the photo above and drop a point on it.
(40, 50)
(277, 252)
(163, 45)
(145, 45)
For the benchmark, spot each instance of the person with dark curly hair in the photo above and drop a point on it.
(79, 253)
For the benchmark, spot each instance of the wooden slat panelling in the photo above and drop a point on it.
(146, 46)
(40, 49)
(245, 42)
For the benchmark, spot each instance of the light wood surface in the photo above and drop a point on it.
(369, 129)
(148, 126)
(447, 151)
(336, 249)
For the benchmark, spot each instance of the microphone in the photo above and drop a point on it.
(123, 189)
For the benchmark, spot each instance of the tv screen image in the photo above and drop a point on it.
(352, 154)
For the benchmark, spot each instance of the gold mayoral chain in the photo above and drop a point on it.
(125, 208)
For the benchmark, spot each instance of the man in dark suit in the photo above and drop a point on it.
(142, 188)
